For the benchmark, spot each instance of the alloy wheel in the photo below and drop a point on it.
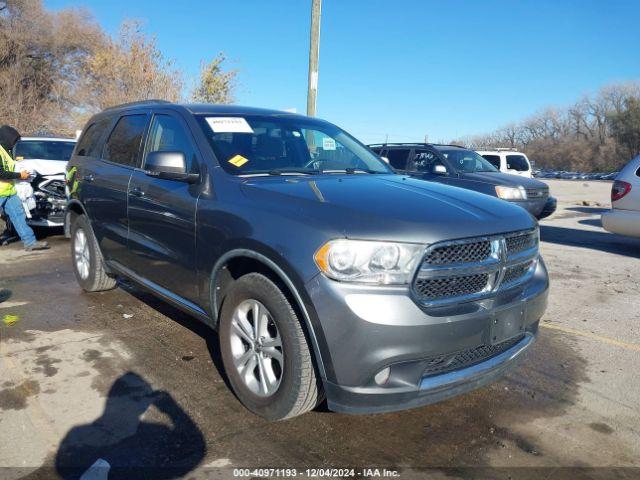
(81, 253)
(256, 347)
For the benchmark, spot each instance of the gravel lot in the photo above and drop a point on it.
(120, 375)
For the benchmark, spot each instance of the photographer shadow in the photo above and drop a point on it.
(121, 445)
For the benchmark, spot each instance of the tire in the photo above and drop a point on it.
(92, 276)
(298, 389)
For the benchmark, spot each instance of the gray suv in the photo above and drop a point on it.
(464, 168)
(324, 272)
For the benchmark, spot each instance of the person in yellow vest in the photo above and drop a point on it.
(10, 204)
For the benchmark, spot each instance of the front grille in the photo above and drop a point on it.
(534, 193)
(513, 274)
(469, 269)
(521, 242)
(437, 288)
(450, 362)
(459, 253)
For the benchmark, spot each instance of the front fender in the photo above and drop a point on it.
(287, 275)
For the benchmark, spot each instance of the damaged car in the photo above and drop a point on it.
(43, 194)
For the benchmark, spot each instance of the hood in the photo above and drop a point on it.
(506, 179)
(43, 167)
(386, 207)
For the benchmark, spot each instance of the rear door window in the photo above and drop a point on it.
(517, 162)
(398, 158)
(123, 145)
(493, 160)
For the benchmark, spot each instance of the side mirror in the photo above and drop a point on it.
(385, 160)
(440, 169)
(169, 166)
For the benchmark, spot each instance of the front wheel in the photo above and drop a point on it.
(88, 264)
(265, 352)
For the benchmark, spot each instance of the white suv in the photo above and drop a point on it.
(508, 161)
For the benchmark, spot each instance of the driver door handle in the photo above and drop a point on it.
(89, 178)
(137, 192)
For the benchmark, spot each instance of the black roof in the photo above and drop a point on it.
(203, 108)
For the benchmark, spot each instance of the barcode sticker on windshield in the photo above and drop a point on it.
(328, 143)
(229, 125)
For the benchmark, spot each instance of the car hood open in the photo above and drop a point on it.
(387, 207)
(43, 167)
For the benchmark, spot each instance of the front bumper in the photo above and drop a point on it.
(535, 206)
(368, 329)
(549, 208)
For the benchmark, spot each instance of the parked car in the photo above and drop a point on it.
(43, 195)
(324, 272)
(624, 216)
(460, 167)
(508, 161)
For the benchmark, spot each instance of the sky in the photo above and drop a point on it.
(400, 69)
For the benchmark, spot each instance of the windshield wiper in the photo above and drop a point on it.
(292, 171)
(351, 171)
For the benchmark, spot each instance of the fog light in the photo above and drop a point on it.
(382, 376)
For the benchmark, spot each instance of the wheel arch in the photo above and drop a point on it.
(74, 208)
(240, 261)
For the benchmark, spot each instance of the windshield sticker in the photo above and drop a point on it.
(229, 125)
(238, 161)
(328, 143)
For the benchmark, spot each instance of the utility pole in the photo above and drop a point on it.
(314, 54)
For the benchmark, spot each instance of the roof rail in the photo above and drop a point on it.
(397, 143)
(499, 149)
(151, 101)
(413, 144)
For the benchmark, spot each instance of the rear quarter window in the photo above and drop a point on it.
(90, 144)
(123, 145)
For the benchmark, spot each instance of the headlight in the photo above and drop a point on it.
(511, 193)
(369, 262)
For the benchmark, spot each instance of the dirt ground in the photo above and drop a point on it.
(124, 377)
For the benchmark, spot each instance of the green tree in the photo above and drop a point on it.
(216, 85)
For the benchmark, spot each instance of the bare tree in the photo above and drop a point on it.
(130, 68)
(42, 58)
(595, 133)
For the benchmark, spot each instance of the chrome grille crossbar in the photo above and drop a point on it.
(491, 264)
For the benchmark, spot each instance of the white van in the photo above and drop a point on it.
(508, 161)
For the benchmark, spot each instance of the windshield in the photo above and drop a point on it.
(466, 161)
(518, 163)
(279, 145)
(43, 150)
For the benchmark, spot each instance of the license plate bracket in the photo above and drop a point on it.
(507, 323)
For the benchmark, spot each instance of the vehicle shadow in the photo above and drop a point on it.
(208, 334)
(122, 443)
(588, 210)
(593, 222)
(602, 241)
